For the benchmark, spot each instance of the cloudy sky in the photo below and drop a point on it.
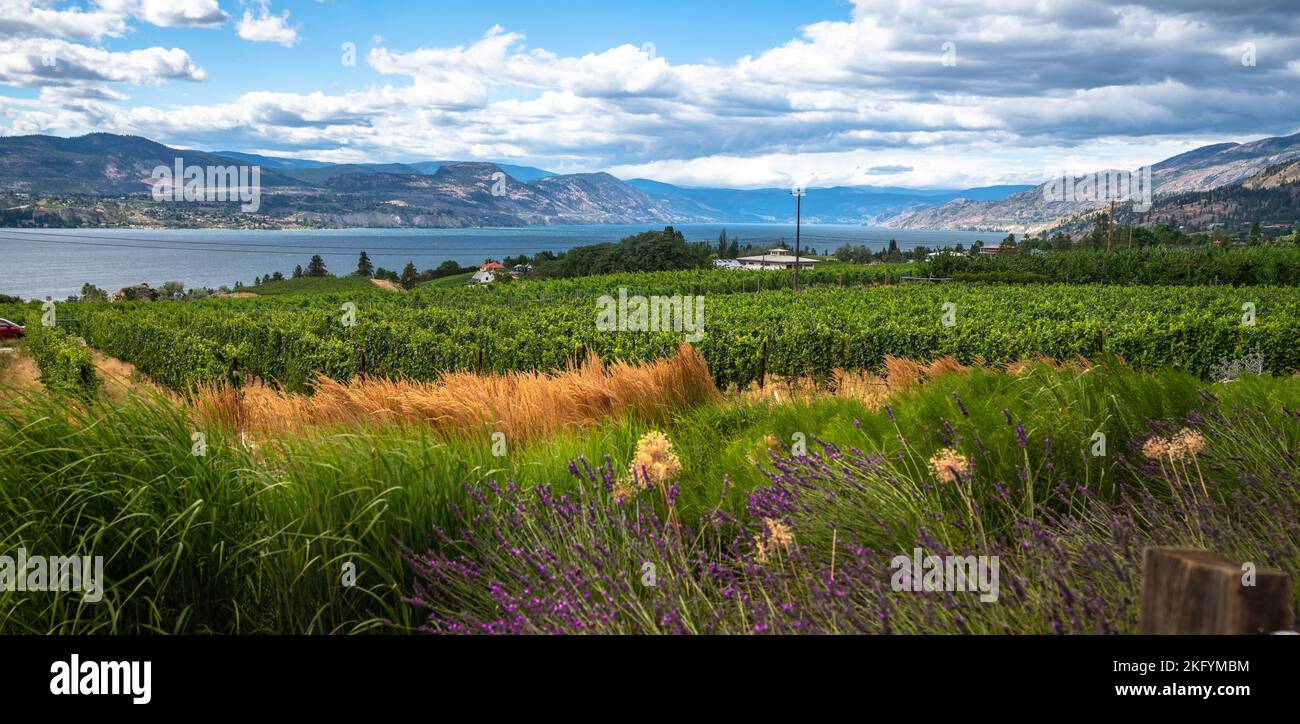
(930, 93)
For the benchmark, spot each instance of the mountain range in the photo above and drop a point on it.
(1189, 188)
(1188, 179)
(439, 193)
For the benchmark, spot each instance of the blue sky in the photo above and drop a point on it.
(924, 93)
(718, 30)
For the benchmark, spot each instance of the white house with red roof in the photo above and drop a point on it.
(486, 273)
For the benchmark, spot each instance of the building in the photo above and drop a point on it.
(997, 249)
(486, 273)
(776, 259)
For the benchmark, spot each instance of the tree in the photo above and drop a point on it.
(257, 281)
(722, 244)
(1255, 236)
(172, 291)
(733, 251)
(277, 277)
(410, 277)
(92, 293)
(316, 267)
(364, 267)
(297, 272)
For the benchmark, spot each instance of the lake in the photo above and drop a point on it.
(36, 263)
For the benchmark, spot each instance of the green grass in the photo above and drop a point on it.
(455, 280)
(255, 538)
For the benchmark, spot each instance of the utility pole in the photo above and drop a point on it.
(1110, 227)
(798, 194)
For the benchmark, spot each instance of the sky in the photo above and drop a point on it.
(735, 93)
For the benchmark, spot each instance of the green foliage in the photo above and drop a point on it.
(1002, 277)
(66, 364)
(1235, 266)
(648, 251)
(244, 541)
(314, 285)
(809, 334)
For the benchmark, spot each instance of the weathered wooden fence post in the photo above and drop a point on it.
(1190, 591)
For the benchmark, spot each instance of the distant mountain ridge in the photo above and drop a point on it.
(833, 205)
(434, 193)
(1200, 170)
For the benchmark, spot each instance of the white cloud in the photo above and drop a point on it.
(28, 19)
(267, 28)
(60, 64)
(179, 13)
(857, 100)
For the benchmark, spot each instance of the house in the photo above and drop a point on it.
(486, 273)
(997, 249)
(776, 259)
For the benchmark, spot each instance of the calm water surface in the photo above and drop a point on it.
(35, 264)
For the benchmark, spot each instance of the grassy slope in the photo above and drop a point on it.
(455, 280)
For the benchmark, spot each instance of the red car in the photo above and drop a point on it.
(9, 330)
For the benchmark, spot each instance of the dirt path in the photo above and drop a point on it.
(18, 369)
(121, 377)
(386, 284)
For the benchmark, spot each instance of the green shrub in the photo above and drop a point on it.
(66, 364)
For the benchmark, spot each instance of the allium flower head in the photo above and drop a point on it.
(1188, 442)
(1157, 448)
(778, 537)
(948, 464)
(655, 460)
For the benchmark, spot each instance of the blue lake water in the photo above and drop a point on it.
(35, 264)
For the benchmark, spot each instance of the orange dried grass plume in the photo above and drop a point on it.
(523, 405)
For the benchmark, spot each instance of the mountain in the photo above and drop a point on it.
(1271, 197)
(834, 205)
(1274, 176)
(425, 193)
(521, 173)
(1200, 170)
(271, 161)
(98, 163)
(1222, 164)
(321, 174)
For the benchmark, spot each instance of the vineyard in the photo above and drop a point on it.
(747, 335)
(1278, 265)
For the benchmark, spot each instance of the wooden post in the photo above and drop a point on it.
(1189, 591)
(478, 360)
(762, 366)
